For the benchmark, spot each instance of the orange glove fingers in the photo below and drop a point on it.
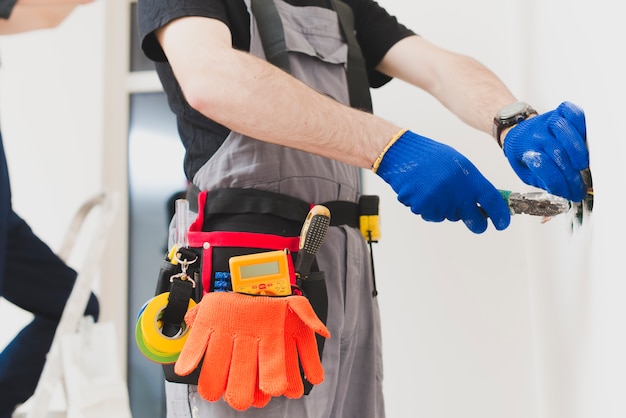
(191, 354)
(300, 306)
(194, 347)
(263, 319)
(190, 316)
(309, 357)
(243, 340)
(260, 399)
(301, 346)
(213, 377)
(295, 388)
(243, 375)
(272, 370)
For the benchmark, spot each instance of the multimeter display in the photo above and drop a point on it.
(265, 273)
(262, 269)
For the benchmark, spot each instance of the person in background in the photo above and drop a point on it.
(285, 113)
(32, 276)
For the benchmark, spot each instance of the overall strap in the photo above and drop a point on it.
(358, 83)
(273, 41)
(271, 33)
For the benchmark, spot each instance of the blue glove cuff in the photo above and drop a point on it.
(384, 151)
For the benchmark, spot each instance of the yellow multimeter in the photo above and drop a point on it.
(265, 273)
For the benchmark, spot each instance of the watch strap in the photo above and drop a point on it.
(500, 124)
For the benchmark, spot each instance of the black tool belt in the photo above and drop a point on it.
(236, 222)
(252, 201)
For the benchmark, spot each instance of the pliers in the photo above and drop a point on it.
(535, 203)
(548, 205)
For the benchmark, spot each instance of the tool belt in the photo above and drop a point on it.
(235, 222)
(260, 202)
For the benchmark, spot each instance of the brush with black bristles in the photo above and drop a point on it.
(311, 238)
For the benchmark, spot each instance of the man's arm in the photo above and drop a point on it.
(29, 15)
(463, 85)
(252, 97)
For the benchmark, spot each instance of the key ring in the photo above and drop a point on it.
(184, 265)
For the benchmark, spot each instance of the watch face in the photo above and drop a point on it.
(511, 110)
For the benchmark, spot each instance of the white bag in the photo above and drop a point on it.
(94, 385)
(83, 353)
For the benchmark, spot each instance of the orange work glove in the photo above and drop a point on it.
(242, 341)
(300, 344)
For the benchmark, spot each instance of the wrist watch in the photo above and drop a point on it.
(510, 115)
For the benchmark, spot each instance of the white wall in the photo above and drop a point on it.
(579, 311)
(520, 323)
(455, 306)
(525, 322)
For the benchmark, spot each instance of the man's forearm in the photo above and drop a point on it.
(52, 2)
(29, 18)
(29, 15)
(252, 97)
(275, 107)
(475, 94)
(464, 86)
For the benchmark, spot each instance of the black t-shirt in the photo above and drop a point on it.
(376, 30)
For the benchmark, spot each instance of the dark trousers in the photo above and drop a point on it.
(35, 279)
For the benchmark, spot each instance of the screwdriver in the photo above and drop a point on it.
(311, 238)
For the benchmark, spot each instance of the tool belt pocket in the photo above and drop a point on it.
(233, 223)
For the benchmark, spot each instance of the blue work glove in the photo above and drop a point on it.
(549, 151)
(437, 182)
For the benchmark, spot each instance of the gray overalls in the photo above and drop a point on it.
(352, 357)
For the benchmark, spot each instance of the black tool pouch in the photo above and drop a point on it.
(233, 222)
